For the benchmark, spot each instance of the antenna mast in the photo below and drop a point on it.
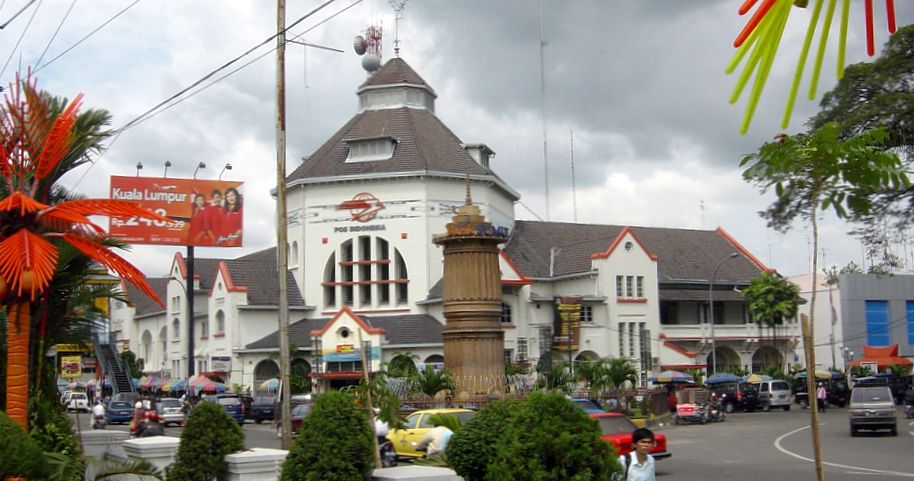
(574, 190)
(398, 6)
(543, 101)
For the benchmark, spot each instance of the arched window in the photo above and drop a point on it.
(220, 322)
(146, 345)
(175, 328)
(366, 273)
(294, 253)
(204, 328)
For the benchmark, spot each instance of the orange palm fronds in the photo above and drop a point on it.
(109, 259)
(27, 262)
(57, 141)
(109, 207)
(23, 203)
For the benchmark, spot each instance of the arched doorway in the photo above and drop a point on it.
(402, 366)
(767, 357)
(435, 361)
(727, 360)
(264, 371)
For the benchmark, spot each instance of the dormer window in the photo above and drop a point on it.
(368, 150)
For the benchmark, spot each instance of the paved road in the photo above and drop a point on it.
(778, 446)
(746, 447)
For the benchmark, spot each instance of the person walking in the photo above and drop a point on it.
(821, 394)
(639, 464)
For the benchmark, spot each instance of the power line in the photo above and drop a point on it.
(64, 19)
(222, 67)
(93, 32)
(16, 14)
(22, 35)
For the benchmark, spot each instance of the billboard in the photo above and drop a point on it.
(202, 212)
(70, 367)
(567, 325)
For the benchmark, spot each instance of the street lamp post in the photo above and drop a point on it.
(201, 165)
(167, 165)
(711, 309)
(139, 167)
(227, 166)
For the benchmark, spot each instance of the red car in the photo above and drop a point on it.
(617, 429)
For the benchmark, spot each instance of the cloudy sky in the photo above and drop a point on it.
(641, 85)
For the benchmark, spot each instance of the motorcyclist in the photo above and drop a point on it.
(909, 402)
(151, 426)
(98, 415)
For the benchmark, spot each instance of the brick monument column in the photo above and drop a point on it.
(473, 338)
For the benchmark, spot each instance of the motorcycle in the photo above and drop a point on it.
(99, 422)
(909, 411)
(715, 412)
(389, 456)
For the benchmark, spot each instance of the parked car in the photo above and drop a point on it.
(128, 397)
(231, 402)
(417, 425)
(77, 401)
(872, 407)
(617, 429)
(119, 412)
(588, 405)
(736, 395)
(774, 394)
(170, 411)
(262, 408)
(299, 411)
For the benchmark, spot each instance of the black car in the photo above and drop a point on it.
(737, 395)
(262, 409)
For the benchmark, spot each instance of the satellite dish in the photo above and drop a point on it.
(371, 62)
(359, 45)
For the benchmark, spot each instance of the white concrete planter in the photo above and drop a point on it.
(258, 464)
(158, 450)
(415, 473)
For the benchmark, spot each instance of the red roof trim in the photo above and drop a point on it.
(362, 324)
(524, 280)
(761, 265)
(625, 300)
(678, 349)
(227, 277)
(618, 240)
(666, 367)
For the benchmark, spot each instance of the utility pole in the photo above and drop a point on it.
(282, 260)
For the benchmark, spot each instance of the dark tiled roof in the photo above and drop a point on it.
(206, 269)
(258, 272)
(143, 303)
(399, 330)
(425, 144)
(700, 295)
(683, 255)
(395, 71)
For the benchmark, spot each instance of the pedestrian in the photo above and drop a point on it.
(435, 440)
(821, 394)
(639, 464)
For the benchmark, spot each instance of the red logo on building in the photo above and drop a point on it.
(363, 207)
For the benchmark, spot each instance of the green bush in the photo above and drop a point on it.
(209, 435)
(20, 455)
(550, 438)
(334, 442)
(472, 448)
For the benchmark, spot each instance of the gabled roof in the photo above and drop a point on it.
(399, 330)
(143, 303)
(395, 71)
(424, 146)
(683, 255)
(259, 274)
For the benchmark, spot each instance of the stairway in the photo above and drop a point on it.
(117, 371)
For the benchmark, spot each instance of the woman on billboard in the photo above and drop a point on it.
(232, 216)
(200, 232)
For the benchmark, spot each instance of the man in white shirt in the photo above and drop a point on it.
(98, 410)
(639, 464)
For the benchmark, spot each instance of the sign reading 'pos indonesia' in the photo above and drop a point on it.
(202, 212)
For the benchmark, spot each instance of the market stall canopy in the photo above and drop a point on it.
(722, 377)
(883, 356)
(272, 384)
(756, 378)
(671, 376)
(821, 374)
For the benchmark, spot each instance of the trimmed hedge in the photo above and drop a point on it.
(20, 455)
(210, 434)
(549, 438)
(472, 448)
(334, 442)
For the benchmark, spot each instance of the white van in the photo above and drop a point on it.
(774, 393)
(78, 402)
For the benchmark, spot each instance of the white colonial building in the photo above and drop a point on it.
(362, 211)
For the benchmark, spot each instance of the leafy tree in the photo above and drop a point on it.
(334, 442)
(861, 371)
(880, 94)
(20, 455)
(471, 450)
(899, 371)
(549, 438)
(130, 359)
(771, 299)
(209, 435)
(402, 366)
(817, 171)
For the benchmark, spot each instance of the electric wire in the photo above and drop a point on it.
(137, 121)
(86, 37)
(5, 24)
(22, 35)
(59, 26)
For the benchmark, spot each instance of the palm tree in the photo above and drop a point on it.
(431, 381)
(37, 133)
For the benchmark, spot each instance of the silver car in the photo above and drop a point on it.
(872, 407)
(171, 411)
(774, 394)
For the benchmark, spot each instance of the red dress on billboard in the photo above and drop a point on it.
(231, 228)
(212, 221)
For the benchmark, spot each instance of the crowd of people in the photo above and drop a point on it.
(217, 221)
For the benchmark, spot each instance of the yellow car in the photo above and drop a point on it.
(415, 427)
